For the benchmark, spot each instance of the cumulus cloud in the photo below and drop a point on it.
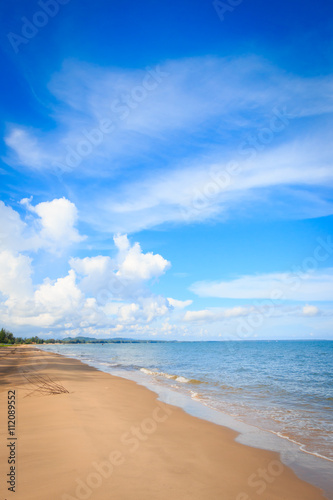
(12, 229)
(122, 277)
(155, 307)
(49, 225)
(96, 274)
(135, 265)
(119, 284)
(15, 276)
(73, 302)
(146, 309)
(61, 297)
(58, 218)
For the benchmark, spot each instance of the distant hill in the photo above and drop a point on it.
(118, 340)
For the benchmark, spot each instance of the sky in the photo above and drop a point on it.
(166, 169)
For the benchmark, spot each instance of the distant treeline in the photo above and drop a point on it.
(8, 338)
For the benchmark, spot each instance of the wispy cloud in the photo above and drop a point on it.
(179, 126)
(299, 286)
(229, 315)
(205, 190)
(178, 100)
(216, 314)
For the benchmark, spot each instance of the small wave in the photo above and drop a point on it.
(196, 396)
(230, 388)
(177, 378)
(147, 372)
(183, 380)
(301, 446)
(111, 365)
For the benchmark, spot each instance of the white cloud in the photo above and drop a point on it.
(97, 274)
(61, 297)
(316, 285)
(58, 218)
(145, 310)
(217, 314)
(121, 278)
(135, 265)
(12, 229)
(49, 225)
(236, 311)
(15, 276)
(198, 315)
(179, 304)
(309, 310)
(128, 312)
(121, 242)
(154, 307)
(91, 266)
(27, 147)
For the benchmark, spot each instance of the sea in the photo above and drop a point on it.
(277, 394)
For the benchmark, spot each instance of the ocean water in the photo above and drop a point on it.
(283, 387)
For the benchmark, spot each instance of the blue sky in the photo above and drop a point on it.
(167, 169)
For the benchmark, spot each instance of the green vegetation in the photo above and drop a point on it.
(7, 338)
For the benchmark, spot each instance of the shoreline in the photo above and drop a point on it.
(309, 466)
(108, 437)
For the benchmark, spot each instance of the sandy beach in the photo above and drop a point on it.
(80, 433)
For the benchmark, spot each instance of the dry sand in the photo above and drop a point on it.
(109, 438)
